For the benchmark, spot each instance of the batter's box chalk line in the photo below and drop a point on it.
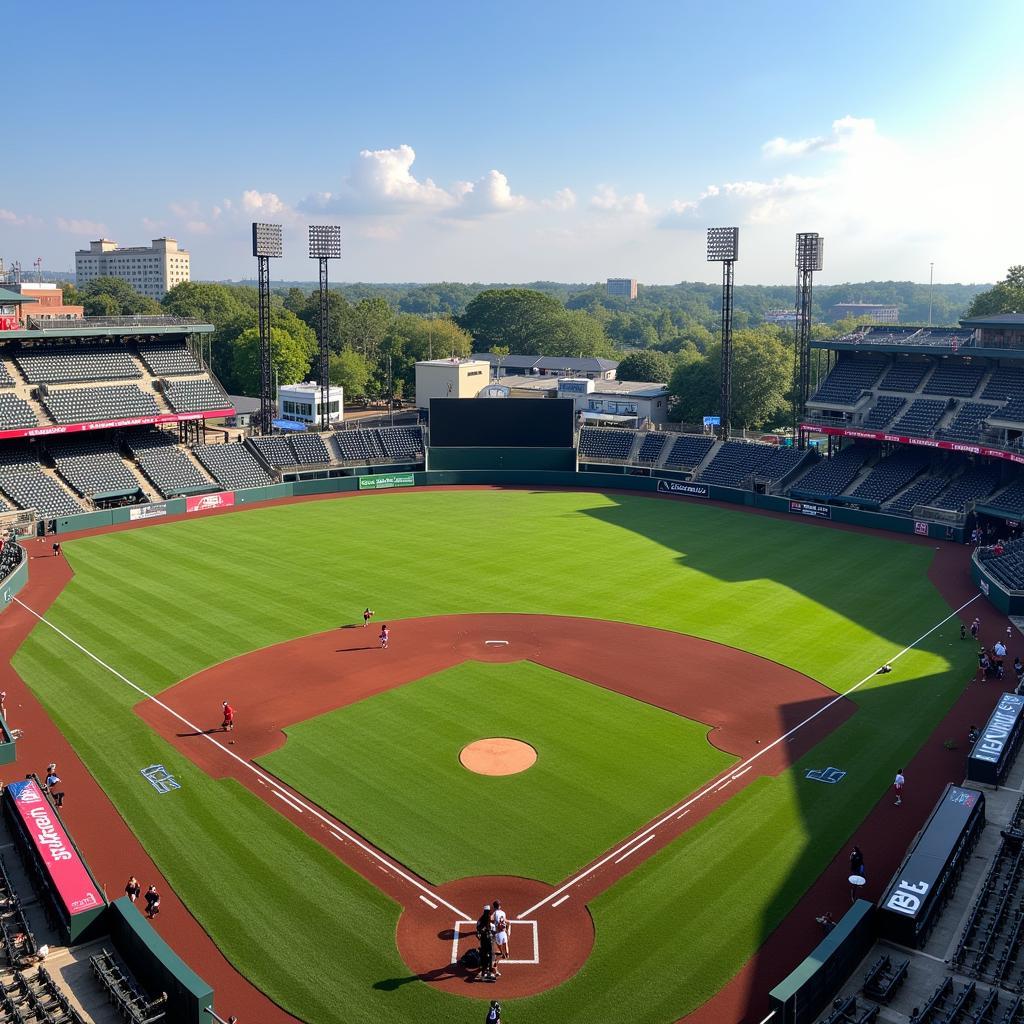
(516, 932)
(495, 643)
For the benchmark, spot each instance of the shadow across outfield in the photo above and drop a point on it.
(898, 723)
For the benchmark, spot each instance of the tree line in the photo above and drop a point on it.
(376, 334)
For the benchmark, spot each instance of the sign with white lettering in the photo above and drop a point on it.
(993, 754)
(679, 487)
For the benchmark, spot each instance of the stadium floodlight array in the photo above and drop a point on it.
(810, 251)
(324, 242)
(324, 245)
(724, 248)
(723, 244)
(266, 240)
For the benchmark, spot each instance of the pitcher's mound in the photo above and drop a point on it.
(497, 756)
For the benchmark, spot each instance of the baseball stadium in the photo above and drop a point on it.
(333, 692)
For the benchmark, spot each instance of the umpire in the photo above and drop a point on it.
(483, 933)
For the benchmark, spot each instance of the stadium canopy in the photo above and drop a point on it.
(288, 425)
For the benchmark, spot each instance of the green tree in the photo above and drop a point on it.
(368, 326)
(1005, 297)
(350, 371)
(112, 296)
(290, 357)
(213, 303)
(516, 317)
(649, 365)
(71, 295)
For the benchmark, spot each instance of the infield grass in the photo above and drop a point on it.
(165, 601)
(389, 766)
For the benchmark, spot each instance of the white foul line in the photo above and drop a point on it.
(630, 852)
(300, 804)
(716, 782)
(288, 800)
(500, 643)
(557, 903)
(433, 906)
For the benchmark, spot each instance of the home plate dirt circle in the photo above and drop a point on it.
(546, 947)
(497, 755)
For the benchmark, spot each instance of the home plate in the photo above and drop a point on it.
(516, 928)
(496, 643)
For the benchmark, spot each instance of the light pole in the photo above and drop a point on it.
(324, 245)
(266, 245)
(724, 248)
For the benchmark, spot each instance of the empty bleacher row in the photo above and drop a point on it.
(1007, 566)
(166, 465)
(353, 447)
(231, 465)
(831, 477)
(36, 999)
(132, 1004)
(48, 372)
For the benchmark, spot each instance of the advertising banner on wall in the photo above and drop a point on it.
(386, 481)
(68, 874)
(154, 511)
(680, 488)
(809, 508)
(206, 502)
(132, 421)
(921, 529)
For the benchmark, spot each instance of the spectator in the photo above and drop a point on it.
(897, 785)
(152, 902)
(856, 861)
(132, 889)
(53, 779)
(975, 628)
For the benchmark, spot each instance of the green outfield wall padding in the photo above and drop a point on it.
(333, 485)
(156, 966)
(800, 997)
(268, 493)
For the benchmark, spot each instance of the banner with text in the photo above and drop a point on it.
(206, 502)
(920, 442)
(809, 508)
(153, 511)
(386, 481)
(70, 877)
(684, 489)
(132, 421)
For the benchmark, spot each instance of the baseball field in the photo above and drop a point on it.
(311, 896)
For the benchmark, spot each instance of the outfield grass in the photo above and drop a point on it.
(163, 602)
(389, 767)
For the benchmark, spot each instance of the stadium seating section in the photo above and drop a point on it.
(130, 1002)
(310, 450)
(16, 413)
(1008, 567)
(1006, 382)
(848, 380)
(1010, 500)
(735, 462)
(1013, 411)
(921, 492)
(6, 380)
(883, 411)
(172, 473)
(93, 469)
(971, 486)
(968, 423)
(781, 463)
(830, 477)
(958, 379)
(688, 450)
(920, 419)
(67, 364)
(194, 395)
(30, 487)
(651, 448)
(596, 443)
(167, 359)
(231, 465)
(904, 376)
(87, 405)
(890, 475)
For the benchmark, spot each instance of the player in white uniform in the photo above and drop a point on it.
(500, 921)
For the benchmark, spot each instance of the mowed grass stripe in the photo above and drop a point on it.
(389, 767)
(827, 603)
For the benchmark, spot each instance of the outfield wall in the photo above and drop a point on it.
(509, 477)
(1009, 602)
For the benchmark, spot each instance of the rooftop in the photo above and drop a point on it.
(449, 362)
(999, 320)
(570, 364)
(629, 388)
(13, 298)
(105, 326)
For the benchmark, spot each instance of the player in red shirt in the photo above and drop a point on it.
(229, 718)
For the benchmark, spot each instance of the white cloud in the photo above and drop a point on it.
(79, 226)
(563, 199)
(10, 217)
(264, 204)
(491, 194)
(846, 131)
(608, 200)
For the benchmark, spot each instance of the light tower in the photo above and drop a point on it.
(809, 258)
(266, 244)
(724, 248)
(324, 245)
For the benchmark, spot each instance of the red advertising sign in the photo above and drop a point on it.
(134, 421)
(9, 323)
(920, 442)
(205, 502)
(67, 872)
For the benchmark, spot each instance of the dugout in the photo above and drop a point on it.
(993, 754)
(501, 434)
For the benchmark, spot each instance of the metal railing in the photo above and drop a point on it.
(46, 324)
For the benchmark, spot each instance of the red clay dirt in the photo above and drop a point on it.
(114, 851)
(747, 701)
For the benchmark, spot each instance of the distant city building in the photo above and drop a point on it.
(450, 378)
(621, 287)
(780, 316)
(152, 271)
(622, 402)
(880, 313)
(47, 302)
(300, 403)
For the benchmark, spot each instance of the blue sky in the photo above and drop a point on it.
(569, 141)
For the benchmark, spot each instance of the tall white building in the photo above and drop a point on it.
(151, 270)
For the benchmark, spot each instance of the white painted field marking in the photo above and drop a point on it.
(716, 782)
(742, 771)
(557, 903)
(513, 930)
(727, 782)
(683, 815)
(630, 852)
(340, 838)
(433, 906)
(288, 800)
(386, 863)
(499, 643)
(768, 1018)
